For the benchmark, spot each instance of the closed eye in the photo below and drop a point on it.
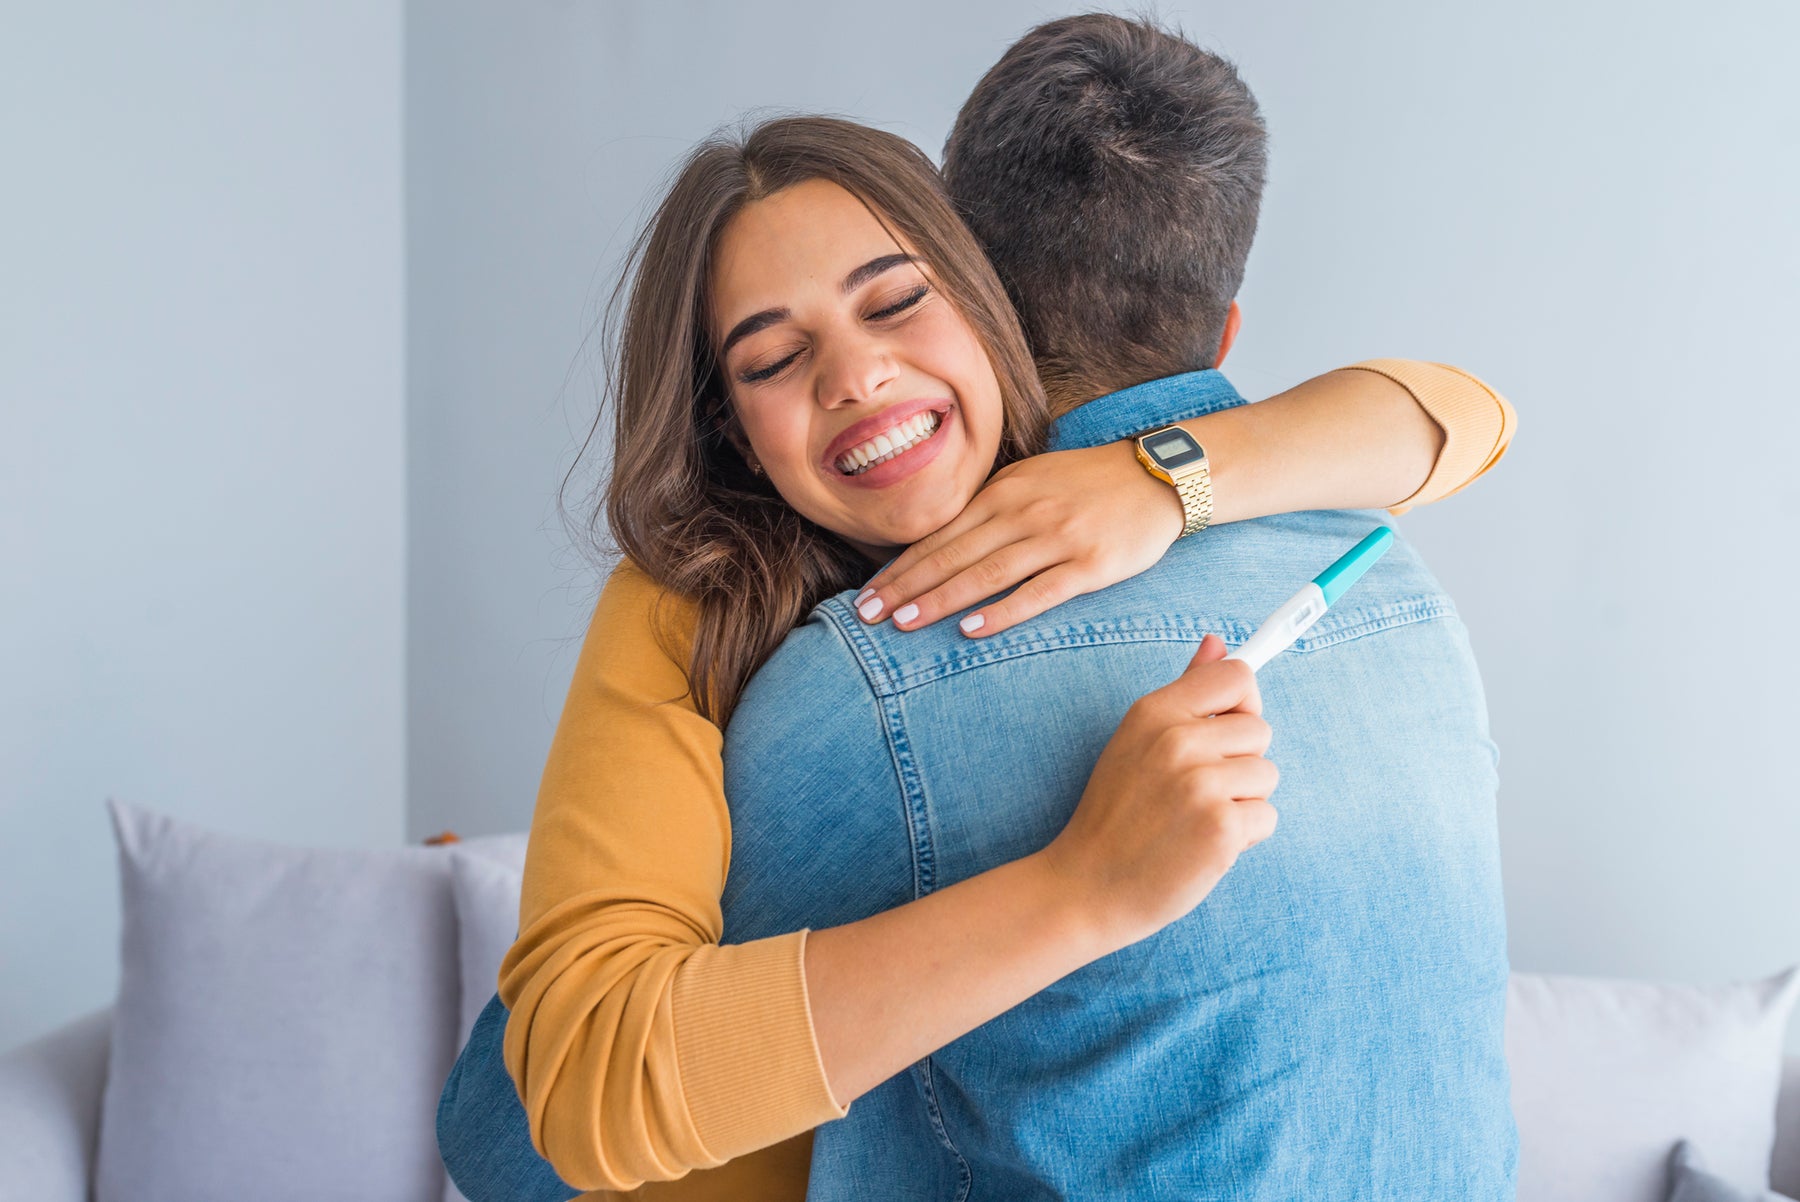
(770, 372)
(910, 299)
(902, 305)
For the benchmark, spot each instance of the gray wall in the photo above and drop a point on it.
(1592, 208)
(217, 483)
(201, 450)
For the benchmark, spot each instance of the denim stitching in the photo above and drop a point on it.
(912, 790)
(868, 656)
(918, 820)
(927, 1084)
(1335, 628)
(1398, 613)
(893, 727)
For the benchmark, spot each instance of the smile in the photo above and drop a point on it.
(892, 442)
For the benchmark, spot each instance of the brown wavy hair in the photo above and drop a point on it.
(680, 500)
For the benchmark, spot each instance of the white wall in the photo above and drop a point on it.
(201, 449)
(1592, 208)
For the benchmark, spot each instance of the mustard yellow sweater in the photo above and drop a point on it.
(643, 1049)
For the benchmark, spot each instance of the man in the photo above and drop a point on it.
(1328, 1023)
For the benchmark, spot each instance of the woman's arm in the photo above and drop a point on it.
(643, 1049)
(616, 983)
(1388, 433)
(1348, 439)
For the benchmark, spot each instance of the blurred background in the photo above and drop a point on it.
(295, 304)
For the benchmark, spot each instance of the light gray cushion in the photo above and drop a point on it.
(1690, 1182)
(486, 873)
(1608, 1075)
(285, 1022)
(1784, 1173)
(50, 1111)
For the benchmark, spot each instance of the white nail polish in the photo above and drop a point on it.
(864, 596)
(972, 623)
(906, 613)
(870, 610)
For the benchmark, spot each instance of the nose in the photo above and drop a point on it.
(853, 367)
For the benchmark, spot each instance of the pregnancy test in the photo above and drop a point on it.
(1300, 611)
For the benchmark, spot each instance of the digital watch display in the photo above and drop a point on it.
(1173, 448)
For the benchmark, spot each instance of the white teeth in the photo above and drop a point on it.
(889, 443)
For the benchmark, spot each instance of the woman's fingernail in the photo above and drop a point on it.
(870, 609)
(972, 623)
(906, 613)
(864, 596)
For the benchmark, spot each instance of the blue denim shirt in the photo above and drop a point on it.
(1327, 1024)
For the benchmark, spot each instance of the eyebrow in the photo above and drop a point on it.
(757, 322)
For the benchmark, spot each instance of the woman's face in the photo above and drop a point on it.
(865, 396)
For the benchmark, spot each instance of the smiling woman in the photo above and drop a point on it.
(850, 351)
(813, 277)
(817, 367)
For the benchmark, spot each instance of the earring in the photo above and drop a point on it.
(755, 468)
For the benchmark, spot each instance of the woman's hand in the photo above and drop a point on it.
(1057, 525)
(1179, 793)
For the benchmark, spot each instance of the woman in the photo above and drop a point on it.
(789, 289)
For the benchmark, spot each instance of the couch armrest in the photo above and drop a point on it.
(1784, 1175)
(50, 1111)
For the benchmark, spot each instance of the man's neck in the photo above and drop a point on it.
(1066, 394)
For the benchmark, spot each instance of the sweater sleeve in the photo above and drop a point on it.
(1478, 423)
(642, 1047)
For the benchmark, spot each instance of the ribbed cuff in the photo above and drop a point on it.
(1477, 422)
(750, 1065)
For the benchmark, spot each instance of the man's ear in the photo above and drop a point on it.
(1234, 318)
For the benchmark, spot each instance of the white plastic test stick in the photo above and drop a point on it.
(1280, 630)
(1297, 614)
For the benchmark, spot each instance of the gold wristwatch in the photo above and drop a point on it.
(1171, 454)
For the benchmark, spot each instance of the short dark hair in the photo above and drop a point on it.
(1113, 171)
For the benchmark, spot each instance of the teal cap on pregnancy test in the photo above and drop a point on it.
(1349, 569)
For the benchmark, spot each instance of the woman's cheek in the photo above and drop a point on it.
(987, 427)
(779, 441)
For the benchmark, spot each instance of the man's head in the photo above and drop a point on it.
(1113, 171)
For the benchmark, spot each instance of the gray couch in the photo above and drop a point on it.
(50, 1107)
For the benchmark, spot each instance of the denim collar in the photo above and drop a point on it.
(1143, 407)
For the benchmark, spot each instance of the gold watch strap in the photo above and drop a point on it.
(1196, 498)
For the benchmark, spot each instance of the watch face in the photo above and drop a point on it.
(1173, 448)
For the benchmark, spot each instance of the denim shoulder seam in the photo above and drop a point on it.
(907, 777)
(912, 796)
(876, 668)
(918, 822)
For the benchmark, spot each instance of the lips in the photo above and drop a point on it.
(881, 423)
(891, 445)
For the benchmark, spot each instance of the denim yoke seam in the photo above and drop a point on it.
(1352, 624)
(878, 671)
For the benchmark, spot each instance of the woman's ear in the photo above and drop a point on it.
(734, 434)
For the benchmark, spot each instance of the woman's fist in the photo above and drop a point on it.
(1179, 793)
